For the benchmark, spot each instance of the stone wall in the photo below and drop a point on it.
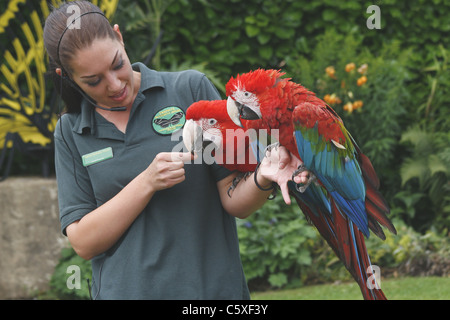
(30, 237)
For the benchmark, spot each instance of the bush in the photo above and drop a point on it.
(275, 243)
(236, 36)
(412, 253)
(424, 200)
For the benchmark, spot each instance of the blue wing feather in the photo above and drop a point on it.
(339, 174)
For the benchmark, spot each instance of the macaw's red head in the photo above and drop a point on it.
(210, 131)
(246, 91)
(205, 121)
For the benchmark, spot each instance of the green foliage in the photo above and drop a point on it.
(236, 36)
(275, 242)
(231, 35)
(142, 23)
(412, 253)
(425, 169)
(434, 76)
(425, 177)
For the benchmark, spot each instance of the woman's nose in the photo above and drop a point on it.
(114, 84)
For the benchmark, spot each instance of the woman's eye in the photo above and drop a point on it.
(93, 84)
(119, 66)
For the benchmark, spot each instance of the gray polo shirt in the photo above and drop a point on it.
(183, 245)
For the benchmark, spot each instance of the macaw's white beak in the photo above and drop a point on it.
(233, 111)
(238, 111)
(192, 136)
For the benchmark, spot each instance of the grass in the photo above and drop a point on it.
(408, 288)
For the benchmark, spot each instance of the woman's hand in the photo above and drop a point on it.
(167, 169)
(97, 231)
(278, 166)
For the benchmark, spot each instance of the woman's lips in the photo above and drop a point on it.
(120, 96)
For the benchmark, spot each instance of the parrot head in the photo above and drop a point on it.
(245, 92)
(204, 125)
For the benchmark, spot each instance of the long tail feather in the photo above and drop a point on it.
(359, 258)
(347, 242)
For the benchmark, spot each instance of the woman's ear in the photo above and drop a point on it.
(117, 30)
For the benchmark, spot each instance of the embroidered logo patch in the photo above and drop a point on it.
(168, 120)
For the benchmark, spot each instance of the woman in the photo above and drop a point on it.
(154, 225)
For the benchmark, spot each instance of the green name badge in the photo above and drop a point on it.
(97, 156)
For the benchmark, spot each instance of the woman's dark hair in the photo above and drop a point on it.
(87, 28)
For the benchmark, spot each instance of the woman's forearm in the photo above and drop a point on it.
(246, 198)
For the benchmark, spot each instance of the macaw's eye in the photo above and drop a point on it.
(246, 93)
(212, 122)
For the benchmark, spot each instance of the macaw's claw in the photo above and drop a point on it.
(270, 147)
(301, 187)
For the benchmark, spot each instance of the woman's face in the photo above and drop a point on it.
(103, 71)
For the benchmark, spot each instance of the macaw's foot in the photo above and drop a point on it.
(301, 187)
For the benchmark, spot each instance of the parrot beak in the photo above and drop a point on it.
(233, 111)
(192, 137)
(238, 110)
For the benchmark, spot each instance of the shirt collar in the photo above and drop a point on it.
(149, 79)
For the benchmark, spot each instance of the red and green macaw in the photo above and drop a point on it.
(343, 202)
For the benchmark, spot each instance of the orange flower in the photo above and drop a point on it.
(357, 104)
(361, 81)
(331, 72)
(331, 99)
(350, 67)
